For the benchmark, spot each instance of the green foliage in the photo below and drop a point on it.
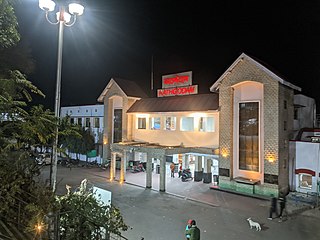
(9, 34)
(82, 216)
(75, 138)
(23, 199)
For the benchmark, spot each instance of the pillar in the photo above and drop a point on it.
(162, 174)
(185, 161)
(113, 166)
(123, 166)
(149, 172)
(198, 172)
(207, 175)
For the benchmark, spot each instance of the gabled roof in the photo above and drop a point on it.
(197, 102)
(258, 64)
(129, 88)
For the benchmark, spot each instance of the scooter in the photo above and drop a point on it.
(186, 175)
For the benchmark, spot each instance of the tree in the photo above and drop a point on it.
(9, 34)
(83, 216)
(79, 141)
(24, 199)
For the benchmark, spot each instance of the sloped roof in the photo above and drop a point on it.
(129, 88)
(257, 63)
(197, 102)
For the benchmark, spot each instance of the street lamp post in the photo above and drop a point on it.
(63, 18)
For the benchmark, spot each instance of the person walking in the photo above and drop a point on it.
(180, 170)
(172, 166)
(282, 203)
(189, 224)
(194, 231)
(273, 207)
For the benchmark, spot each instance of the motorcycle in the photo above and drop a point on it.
(43, 159)
(186, 175)
(139, 168)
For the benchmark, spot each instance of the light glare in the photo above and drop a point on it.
(47, 5)
(76, 9)
(65, 18)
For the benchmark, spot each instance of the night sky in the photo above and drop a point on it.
(117, 38)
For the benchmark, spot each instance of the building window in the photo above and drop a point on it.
(97, 122)
(80, 121)
(142, 123)
(305, 181)
(285, 104)
(170, 123)
(285, 126)
(249, 136)
(155, 123)
(295, 114)
(187, 124)
(87, 122)
(72, 120)
(206, 124)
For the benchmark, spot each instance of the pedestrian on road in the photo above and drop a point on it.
(189, 224)
(172, 166)
(273, 207)
(180, 170)
(194, 231)
(282, 202)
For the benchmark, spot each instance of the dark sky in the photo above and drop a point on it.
(117, 38)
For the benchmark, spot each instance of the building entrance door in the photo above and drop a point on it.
(117, 125)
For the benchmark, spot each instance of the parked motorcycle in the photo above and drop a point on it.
(186, 175)
(43, 159)
(139, 168)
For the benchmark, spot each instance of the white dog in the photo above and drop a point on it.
(254, 224)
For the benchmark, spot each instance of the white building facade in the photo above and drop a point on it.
(90, 117)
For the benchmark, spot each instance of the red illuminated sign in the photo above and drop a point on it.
(177, 80)
(178, 91)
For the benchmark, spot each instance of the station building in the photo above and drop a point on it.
(235, 137)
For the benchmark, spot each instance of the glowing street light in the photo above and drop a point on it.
(63, 18)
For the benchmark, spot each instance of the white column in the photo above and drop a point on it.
(149, 172)
(198, 173)
(113, 166)
(162, 174)
(198, 164)
(207, 176)
(123, 166)
(185, 161)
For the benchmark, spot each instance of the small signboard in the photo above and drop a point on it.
(102, 195)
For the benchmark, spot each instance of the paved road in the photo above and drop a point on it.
(157, 216)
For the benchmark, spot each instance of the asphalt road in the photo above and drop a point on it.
(155, 216)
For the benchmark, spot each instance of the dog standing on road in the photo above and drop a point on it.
(254, 224)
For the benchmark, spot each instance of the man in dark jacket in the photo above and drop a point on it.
(194, 231)
(273, 207)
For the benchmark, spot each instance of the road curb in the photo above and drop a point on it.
(174, 194)
(241, 194)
